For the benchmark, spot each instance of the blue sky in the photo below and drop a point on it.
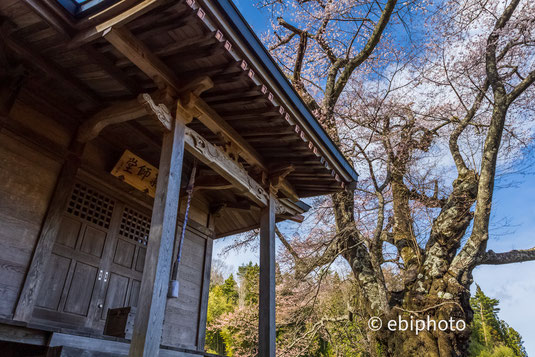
(514, 284)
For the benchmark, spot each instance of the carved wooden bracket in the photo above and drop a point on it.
(125, 111)
(278, 174)
(118, 113)
(191, 91)
(219, 161)
(159, 111)
(232, 151)
(279, 208)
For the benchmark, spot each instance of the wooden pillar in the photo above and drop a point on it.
(266, 337)
(205, 291)
(47, 237)
(154, 285)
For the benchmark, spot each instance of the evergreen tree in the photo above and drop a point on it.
(230, 290)
(492, 337)
(249, 275)
(513, 340)
(223, 299)
(486, 317)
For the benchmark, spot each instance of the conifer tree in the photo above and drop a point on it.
(490, 335)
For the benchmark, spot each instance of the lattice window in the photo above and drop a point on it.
(90, 205)
(135, 226)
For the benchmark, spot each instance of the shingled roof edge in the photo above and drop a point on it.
(236, 19)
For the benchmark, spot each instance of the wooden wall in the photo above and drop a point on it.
(28, 174)
(27, 178)
(182, 314)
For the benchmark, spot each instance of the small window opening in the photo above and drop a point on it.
(80, 8)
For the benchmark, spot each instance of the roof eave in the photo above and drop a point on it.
(235, 20)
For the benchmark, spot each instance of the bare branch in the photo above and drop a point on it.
(513, 256)
(521, 87)
(363, 55)
(476, 244)
(453, 142)
(286, 244)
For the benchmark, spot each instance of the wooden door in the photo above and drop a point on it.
(125, 263)
(74, 272)
(96, 263)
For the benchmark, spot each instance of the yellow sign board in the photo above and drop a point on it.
(136, 172)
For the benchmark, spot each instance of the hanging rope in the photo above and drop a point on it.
(173, 284)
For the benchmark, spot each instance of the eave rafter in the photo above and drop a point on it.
(125, 42)
(135, 51)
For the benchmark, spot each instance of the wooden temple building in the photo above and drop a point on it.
(107, 107)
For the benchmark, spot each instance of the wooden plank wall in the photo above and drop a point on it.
(28, 174)
(182, 314)
(27, 179)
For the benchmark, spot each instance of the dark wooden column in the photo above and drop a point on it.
(47, 237)
(266, 337)
(205, 291)
(154, 285)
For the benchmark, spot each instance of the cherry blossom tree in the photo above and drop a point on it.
(428, 123)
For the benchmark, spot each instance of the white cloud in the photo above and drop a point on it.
(514, 286)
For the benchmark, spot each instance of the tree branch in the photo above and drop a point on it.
(428, 201)
(476, 244)
(513, 256)
(453, 142)
(286, 244)
(363, 55)
(521, 87)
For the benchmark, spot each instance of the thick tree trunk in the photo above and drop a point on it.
(429, 292)
(445, 324)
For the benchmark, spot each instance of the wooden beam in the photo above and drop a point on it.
(124, 17)
(267, 328)
(211, 182)
(298, 218)
(115, 114)
(51, 69)
(109, 67)
(223, 95)
(175, 47)
(195, 88)
(44, 11)
(136, 51)
(126, 43)
(241, 206)
(278, 173)
(47, 237)
(154, 284)
(218, 161)
(123, 112)
(218, 125)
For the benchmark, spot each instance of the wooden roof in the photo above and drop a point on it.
(74, 72)
(83, 72)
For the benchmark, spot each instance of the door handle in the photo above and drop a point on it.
(106, 277)
(100, 306)
(100, 274)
